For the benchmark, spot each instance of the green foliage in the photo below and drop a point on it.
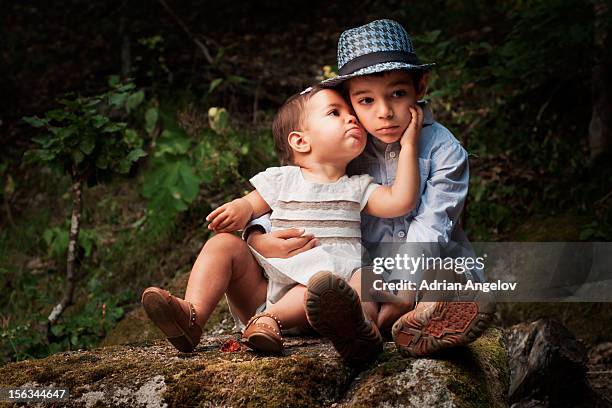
(82, 328)
(151, 59)
(513, 93)
(84, 139)
(180, 166)
(56, 240)
(172, 184)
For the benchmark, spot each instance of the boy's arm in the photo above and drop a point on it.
(261, 224)
(444, 196)
(278, 244)
(234, 215)
(401, 197)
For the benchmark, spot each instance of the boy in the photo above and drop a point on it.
(382, 77)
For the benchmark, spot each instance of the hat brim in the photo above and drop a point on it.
(373, 69)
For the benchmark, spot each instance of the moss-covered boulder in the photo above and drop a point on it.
(589, 322)
(474, 376)
(309, 374)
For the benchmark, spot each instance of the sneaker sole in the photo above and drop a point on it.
(333, 309)
(451, 324)
(158, 310)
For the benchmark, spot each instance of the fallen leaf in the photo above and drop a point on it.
(230, 346)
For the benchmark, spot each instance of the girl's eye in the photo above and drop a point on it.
(334, 112)
(399, 93)
(366, 101)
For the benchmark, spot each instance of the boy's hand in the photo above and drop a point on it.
(412, 132)
(281, 244)
(392, 306)
(230, 217)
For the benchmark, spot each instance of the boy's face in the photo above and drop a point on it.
(332, 128)
(381, 102)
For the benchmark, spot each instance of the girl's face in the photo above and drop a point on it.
(381, 102)
(332, 129)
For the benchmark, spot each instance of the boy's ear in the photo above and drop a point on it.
(298, 142)
(423, 85)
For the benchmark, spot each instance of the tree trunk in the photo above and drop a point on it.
(600, 128)
(75, 226)
(124, 33)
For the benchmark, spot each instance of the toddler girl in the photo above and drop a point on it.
(316, 135)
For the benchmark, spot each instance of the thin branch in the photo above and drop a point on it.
(193, 38)
(75, 224)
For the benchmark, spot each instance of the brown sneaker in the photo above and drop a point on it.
(433, 326)
(175, 321)
(334, 311)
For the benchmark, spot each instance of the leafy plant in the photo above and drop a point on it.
(180, 167)
(85, 140)
(56, 239)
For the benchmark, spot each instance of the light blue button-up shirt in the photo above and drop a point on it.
(444, 175)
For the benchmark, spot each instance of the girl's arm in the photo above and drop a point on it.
(401, 197)
(234, 216)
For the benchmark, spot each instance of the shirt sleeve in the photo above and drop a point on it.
(367, 187)
(444, 196)
(262, 223)
(268, 184)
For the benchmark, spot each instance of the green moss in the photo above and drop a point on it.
(238, 379)
(263, 382)
(467, 380)
(480, 373)
(473, 376)
(310, 374)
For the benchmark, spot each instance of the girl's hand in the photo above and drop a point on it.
(412, 132)
(230, 217)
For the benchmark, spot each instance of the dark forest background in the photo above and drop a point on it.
(117, 99)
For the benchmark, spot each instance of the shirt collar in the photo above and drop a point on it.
(428, 118)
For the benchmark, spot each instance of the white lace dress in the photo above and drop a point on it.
(330, 211)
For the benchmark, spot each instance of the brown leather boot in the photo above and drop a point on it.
(334, 310)
(179, 325)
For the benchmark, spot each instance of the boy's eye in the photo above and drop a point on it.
(365, 101)
(399, 93)
(334, 112)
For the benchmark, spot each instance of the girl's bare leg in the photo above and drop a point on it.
(225, 266)
(289, 309)
(369, 308)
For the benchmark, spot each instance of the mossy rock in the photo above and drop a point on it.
(590, 322)
(473, 376)
(309, 374)
(154, 374)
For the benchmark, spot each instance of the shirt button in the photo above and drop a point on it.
(401, 234)
(392, 155)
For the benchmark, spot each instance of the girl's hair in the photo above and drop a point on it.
(290, 118)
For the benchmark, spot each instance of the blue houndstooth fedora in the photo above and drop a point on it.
(382, 45)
